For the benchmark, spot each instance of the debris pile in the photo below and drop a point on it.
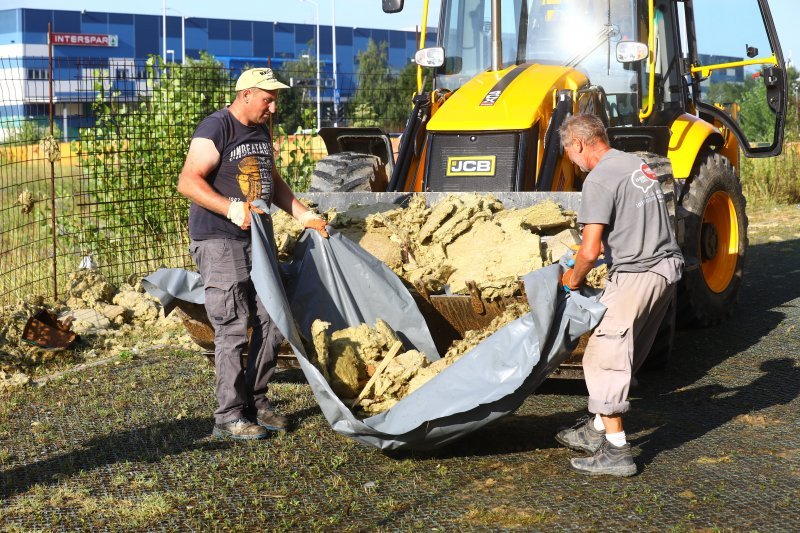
(462, 238)
(349, 358)
(367, 368)
(108, 318)
(100, 308)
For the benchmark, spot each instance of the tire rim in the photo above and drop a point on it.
(720, 214)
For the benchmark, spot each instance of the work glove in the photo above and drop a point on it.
(239, 213)
(311, 220)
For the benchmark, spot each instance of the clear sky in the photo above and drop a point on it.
(368, 13)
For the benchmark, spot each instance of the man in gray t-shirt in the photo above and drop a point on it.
(625, 218)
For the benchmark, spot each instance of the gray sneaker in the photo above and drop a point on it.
(239, 429)
(582, 436)
(609, 459)
(268, 418)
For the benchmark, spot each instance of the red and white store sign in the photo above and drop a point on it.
(84, 39)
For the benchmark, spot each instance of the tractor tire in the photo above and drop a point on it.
(348, 171)
(662, 167)
(713, 238)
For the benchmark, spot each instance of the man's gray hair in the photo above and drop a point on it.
(588, 128)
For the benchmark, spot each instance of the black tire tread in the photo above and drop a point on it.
(345, 172)
(697, 304)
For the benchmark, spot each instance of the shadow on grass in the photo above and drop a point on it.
(688, 411)
(148, 444)
(692, 413)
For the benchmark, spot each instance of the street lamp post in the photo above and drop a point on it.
(335, 83)
(183, 40)
(164, 27)
(183, 35)
(316, 5)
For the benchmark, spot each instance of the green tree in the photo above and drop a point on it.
(370, 102)
(726, 93)
(134, 152)
(294, 103)
(403, 89)
(748, 103)
(32, 131)
(400, 98)
(383, 98)
(755, 117)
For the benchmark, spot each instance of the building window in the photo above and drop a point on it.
(37, 74)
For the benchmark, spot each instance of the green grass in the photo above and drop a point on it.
(27, 246)
(772, 181)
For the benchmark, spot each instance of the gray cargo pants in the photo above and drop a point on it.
(232, 303)
(636, 305)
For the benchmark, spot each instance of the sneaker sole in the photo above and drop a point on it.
(621, 471)
(576, 447)
(222, 434)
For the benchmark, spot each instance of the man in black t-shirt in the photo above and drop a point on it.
(229, 165)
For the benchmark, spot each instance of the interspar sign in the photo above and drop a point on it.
(84, 39)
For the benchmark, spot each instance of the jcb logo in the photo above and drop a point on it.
(471, 166)
(491, 98)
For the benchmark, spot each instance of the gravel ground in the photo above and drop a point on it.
(717, 439)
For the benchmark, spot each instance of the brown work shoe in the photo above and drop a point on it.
(268, 418)
(239, 429)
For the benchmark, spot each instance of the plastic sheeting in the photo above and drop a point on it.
(337, 281)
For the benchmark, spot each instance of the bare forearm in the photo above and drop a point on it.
(587, 254)
(583, 264)
(197, 189)
(285, 199)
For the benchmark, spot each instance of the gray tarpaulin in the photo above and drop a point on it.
(337, 281)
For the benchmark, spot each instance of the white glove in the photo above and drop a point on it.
(237, 212)
(307, 216)
(309, 219)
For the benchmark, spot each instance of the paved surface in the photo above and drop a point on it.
(716, 436)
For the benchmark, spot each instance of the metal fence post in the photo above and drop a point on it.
(52, 164)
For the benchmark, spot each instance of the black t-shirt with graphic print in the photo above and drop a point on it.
(244, 173)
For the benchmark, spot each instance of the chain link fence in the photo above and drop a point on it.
(90, 152)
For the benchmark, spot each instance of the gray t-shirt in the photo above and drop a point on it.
(624, 194)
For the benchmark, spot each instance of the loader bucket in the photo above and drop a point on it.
(449, 317)
(198, 326)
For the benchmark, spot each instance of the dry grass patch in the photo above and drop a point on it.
(505, 517)
(140, 512)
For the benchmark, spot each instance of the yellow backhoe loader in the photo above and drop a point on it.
(508, 72)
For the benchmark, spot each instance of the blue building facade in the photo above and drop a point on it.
(235, 43)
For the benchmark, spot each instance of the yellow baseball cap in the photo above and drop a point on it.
(263, 78)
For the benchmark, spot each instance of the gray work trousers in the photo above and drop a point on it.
(636, 305)
(232, 304)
